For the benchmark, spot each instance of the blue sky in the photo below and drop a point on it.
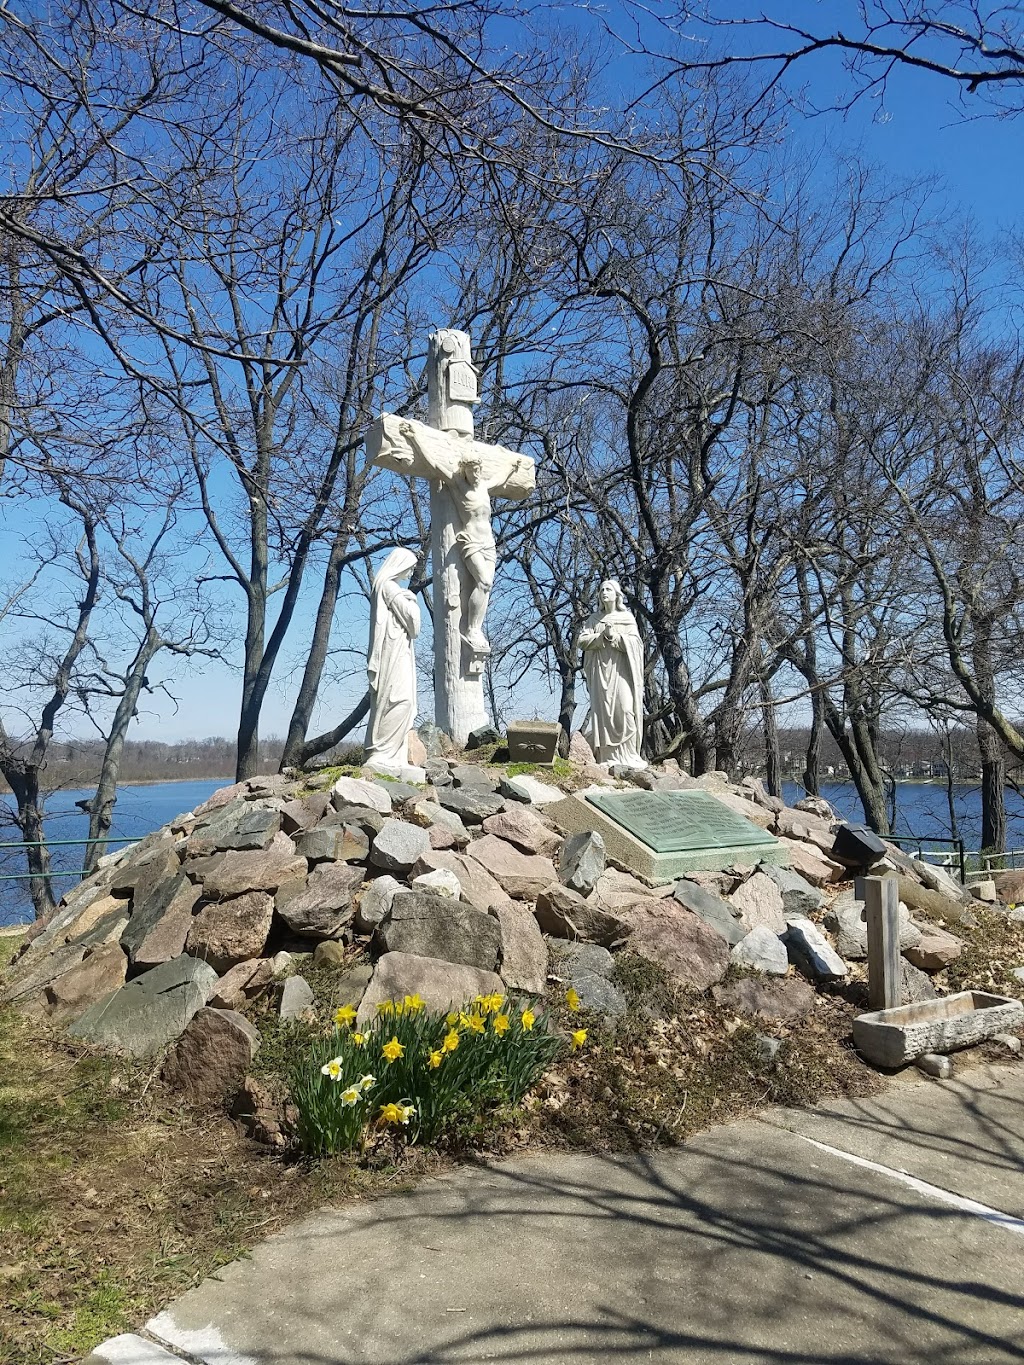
(923, 128)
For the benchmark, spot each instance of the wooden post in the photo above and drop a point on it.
(882, 913)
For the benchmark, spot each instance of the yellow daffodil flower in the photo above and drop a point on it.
(528, 1020)
(359, 1039)
(393, 1050)
(572, 999)
(500, 1023)
(391, 1113)
(346, 1015)
(351, 1095)
(413, 1003)
(386, 1007)
(451, 1041)
(463, 1019)
(476, 1023)
(452, 1018)
(436, 1059)
(579, 1038)
(332, 1069)
(495, 1002)
(366, 1081)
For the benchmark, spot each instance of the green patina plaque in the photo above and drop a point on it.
(678, 822)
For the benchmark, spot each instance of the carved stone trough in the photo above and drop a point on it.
(893, 1037)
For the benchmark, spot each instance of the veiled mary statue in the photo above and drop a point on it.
(613, 662)
(391, 666)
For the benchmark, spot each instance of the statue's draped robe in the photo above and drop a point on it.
(615, 680)
(391, 667)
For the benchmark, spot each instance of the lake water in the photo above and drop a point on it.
(921, 810)
(138, 811)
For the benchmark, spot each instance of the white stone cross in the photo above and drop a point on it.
(464, 475)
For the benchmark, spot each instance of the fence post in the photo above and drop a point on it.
(882, 913)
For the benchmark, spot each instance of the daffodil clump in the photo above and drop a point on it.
(418, 1071)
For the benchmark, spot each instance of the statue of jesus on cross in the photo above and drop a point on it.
(464, 474)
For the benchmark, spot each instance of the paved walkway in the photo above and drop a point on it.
(887, 1230)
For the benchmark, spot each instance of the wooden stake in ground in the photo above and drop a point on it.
(882, 913)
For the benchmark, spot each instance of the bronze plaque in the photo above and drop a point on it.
(678, 822)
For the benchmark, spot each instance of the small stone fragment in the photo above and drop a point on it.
(398, 845)
(581, 861)
(355, 791)
(329, 953)
(936, 949)
(1008, 1040)
(296, 998)
(812, 953)
(932, 1064)
(762, 950)
(483, 734)
(530, 790)
(333, 843)
(442, 880)
(374, 902)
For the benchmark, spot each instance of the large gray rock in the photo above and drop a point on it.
(787, 999)
(326, 905)
(472, 804)
(242, 983)
(586, 968)
(564, 913)
(426, 925)
(529, 790)
(915, 985)
(724, 918)
(234, 874)
(431, 815)
(799, 897)
(521, 826)
(303, 812)
(296, 998)
(812, 953)
(249, 829)
(690, 951)
(159, 925)
(225, 933)
(209, 1061)
(371, 822)
(581, 861)
(101, 972)
(763, 951)
(524, 954)
(844, 919)
(473, 775)
(520, 875)
(759, 901)
(938, 879)
(398, 845)
(374, 903)
(441, 985)
(33, 973)
(333, 844)
(144, 1016)
(937, 949)
(356, 791)
(479, 889)
(150, 863)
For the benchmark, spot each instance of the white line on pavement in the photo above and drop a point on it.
(1003, 1220)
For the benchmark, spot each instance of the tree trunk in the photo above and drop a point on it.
(772, 756)
(101, 805)
(811, 778)
(993, 789)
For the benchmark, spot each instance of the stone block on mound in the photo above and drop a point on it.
(520, 875)
(209, 1061)
(144, 1016)
(225, 933)
(692, 953)
(441, 985)
(424, 924)
(326, 904)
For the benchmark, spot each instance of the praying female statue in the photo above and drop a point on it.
(613, 663)
(391, 666)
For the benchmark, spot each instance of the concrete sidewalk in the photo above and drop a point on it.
(750, 1244)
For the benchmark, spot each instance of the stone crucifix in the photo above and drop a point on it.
(464, 475)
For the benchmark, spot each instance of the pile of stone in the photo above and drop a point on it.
(457, 887)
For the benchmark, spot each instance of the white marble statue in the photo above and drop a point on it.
(391, 666)
(464, 475)
(613, 663)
